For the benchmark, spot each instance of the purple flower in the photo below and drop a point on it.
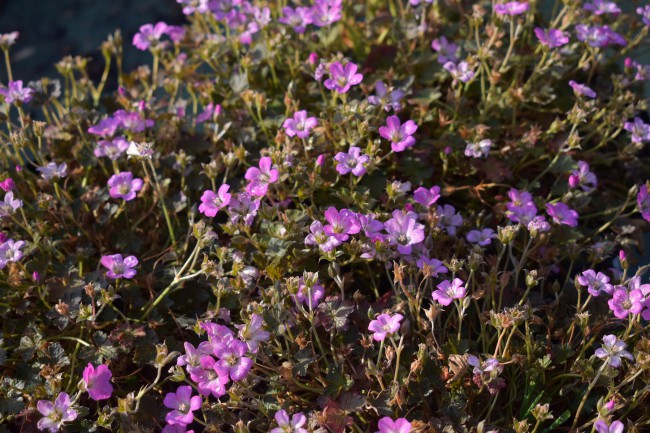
(53, 171)
(119, 267)
(55, 415)
(387, 425)
(354, 161)
(487, 366)
(243, 208)
(176, 428)
(448, 291)
(124, 186)
(260, 178)
(209, 112)
(342, 78)
(106, 127)
(232, 361)
(97, 381)
(300, 124)
(10, 252)
(289, 426)
(552, 38)
(624, 303)
(582, 90)
(446, 50)
(9, 205)
(400, 135)
(384, 325)
(562, 214)
(149, 35)
(615, 427)
(583, 178)
(212, 202)
(460, 71)
(16, 93)
(298, 18)
(132, 120)
(208, 379)
(600, 7)
(478, 150)
(183, 404)
(645, 14)
(613, 350)
(448, 219)
(309, 293)
(404, 231)
(253, 333)
(318, 237)
(194, 6)
(599, 36)
(389, 100)
(481, 237)
(326, 12)
(596, 283)
(341, 224)
(427, 197)
(643, 201)
(639, 129)
(511, 8)
(111, 149)
(431, 267)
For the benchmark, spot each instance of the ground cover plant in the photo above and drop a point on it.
(401, 216)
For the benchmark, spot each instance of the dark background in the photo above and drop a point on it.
(52, 29)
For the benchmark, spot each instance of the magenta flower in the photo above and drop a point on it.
(253, 333)
(354, 161)
(124, 186)
(176, 428)
(427, 197)
(232, 361)
(132, 120)
(300, 124)
(9, 205)
(615, 427)
(645, 14)
(643, 202)
(55, 414)
(596, 283)
(309, 295)
(448, 291)
(384, 325)
(10, 252)
(388, 100)
(209, 380)
(111, 149)
(194, 6)
(400, 135)
(8, 184)
(387, 425)
(97, 381)
(183, 404)
(106, 127)
(624, 303)
(478, 150)
(583, 178)
(326, 12)
(404, 231)
(53, 171)
(295, 425)
(243, 208)
(582, 90)
(435, 266)
(552, 38)
(341, 224)
(298, 18)
(119, 267)
(600, 7)
(448, 219)
(460, 72)
(488, 366)
(446, 50)
(599, 36)
(341, 78)
(511, 8)
(481, 237)
(562, 214)
(613, 350)
(318, 237)
(212, 202)
(260, 178)
(15, 92)
(639, 129)
(150, 34)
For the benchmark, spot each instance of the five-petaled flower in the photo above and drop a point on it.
(55, 414)
(183, 405)
(212, 202)
(341, 78)
(448, 291)
(119, 267)
(260, 178)
(399, 134)
(123, 185)
(384, 325)
(613, 350)
(299, 125)
(286, 425)
(97, 381)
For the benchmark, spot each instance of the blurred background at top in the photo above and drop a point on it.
(52, 29)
